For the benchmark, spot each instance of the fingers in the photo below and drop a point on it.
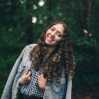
(26, 77)
(42, 81)
(40, 76)
(27, 74)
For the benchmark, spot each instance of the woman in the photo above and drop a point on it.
(42, 69)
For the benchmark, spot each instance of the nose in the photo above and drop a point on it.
(53, 33)
(52, 36)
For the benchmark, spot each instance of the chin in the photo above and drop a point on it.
(48, 43)
(51, 44)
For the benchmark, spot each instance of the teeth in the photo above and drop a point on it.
(49, 39)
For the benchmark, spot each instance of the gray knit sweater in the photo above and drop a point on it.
(11, 88)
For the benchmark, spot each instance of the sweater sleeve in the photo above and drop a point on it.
(26, 62)
(10, 86)
(24, 65)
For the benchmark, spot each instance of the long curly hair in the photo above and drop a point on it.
(52, 59)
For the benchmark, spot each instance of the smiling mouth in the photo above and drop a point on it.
(50, 39)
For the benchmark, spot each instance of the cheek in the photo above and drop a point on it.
(58, 38)
(47, 34)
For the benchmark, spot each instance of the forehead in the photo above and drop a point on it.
(59, 27)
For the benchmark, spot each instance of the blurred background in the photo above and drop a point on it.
(22, 22)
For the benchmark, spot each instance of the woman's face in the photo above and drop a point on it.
(54, 34)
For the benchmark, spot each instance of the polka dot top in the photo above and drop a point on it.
(32, 88)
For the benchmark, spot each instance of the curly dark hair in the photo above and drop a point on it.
(53, 58)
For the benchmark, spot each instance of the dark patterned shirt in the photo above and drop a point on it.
(32, 88)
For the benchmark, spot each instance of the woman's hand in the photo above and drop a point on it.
(42, 81)
(25, 77)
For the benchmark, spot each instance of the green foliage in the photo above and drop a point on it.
(17, 30)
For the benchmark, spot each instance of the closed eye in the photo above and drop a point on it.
(59, 34)
(53, 29)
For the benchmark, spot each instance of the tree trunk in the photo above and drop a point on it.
(86, 13)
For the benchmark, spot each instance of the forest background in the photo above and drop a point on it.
(22, 22)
